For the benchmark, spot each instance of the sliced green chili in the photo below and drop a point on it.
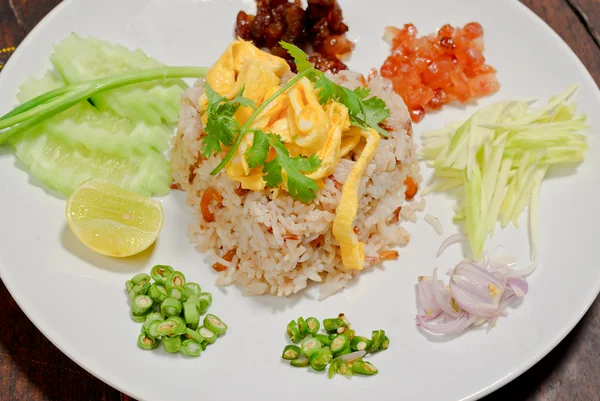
(175, 279)
(291, 352)
(339, 344)
(332, 325)
(299, 363)
(139, 278)
(146, 342)
(323, 338)
(333, 367)
(160, 273)
(209, 336)
(215, 324)
(171, 344)
(363, 368)
(158, 292)
(376, 340)
(191, 315)
(171, 307)
(293, 332)
(205, 300)
(193, 288)
(310, 345)
(312, 325)
(345, 369)
(302, 327)
(385, 344)
(359, 343)
(191, 348)
(319, 360)
(332, 336)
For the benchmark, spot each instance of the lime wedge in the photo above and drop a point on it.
(112, 221)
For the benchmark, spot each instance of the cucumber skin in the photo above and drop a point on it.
(74, 146)
(82, 59)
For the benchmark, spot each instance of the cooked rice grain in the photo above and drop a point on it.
(282, 243)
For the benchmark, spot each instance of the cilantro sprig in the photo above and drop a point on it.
(222, 129)
(299, 186)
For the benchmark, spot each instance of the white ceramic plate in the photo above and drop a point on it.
(76, 297)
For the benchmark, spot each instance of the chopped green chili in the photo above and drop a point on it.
(332, 325)
(363, 368)
(385, 344)
(293, 332)
(310, 345)
(291, 352)
(360, 343)
(312, 325)
(160, 273)
(171, 307)
(333, 367)
(339, 344)
(146, 342)
(302, 327)
(323, 338)
(345, 369)
(319, 360)
(171, 344)
(299, 363)
(376, 340)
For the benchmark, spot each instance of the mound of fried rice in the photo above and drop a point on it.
(275, 244)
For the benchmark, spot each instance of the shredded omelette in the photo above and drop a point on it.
(305, 126)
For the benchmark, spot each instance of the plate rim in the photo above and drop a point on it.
(115, 382)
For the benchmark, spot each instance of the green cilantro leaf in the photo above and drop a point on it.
(376, 111)
(256, 155)
(221, 128)
(299, 186)
(300, 58)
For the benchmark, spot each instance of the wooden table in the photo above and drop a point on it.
(32, 369)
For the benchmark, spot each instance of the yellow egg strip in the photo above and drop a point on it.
(352, 251)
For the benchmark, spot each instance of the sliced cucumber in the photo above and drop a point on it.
(63, 167)
(82, 59)
(83, 124)
(83, 143)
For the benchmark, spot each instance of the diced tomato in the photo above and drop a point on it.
(439, 68)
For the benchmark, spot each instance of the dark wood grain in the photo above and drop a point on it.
(33, 369)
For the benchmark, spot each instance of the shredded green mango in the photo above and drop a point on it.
(500, 157)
